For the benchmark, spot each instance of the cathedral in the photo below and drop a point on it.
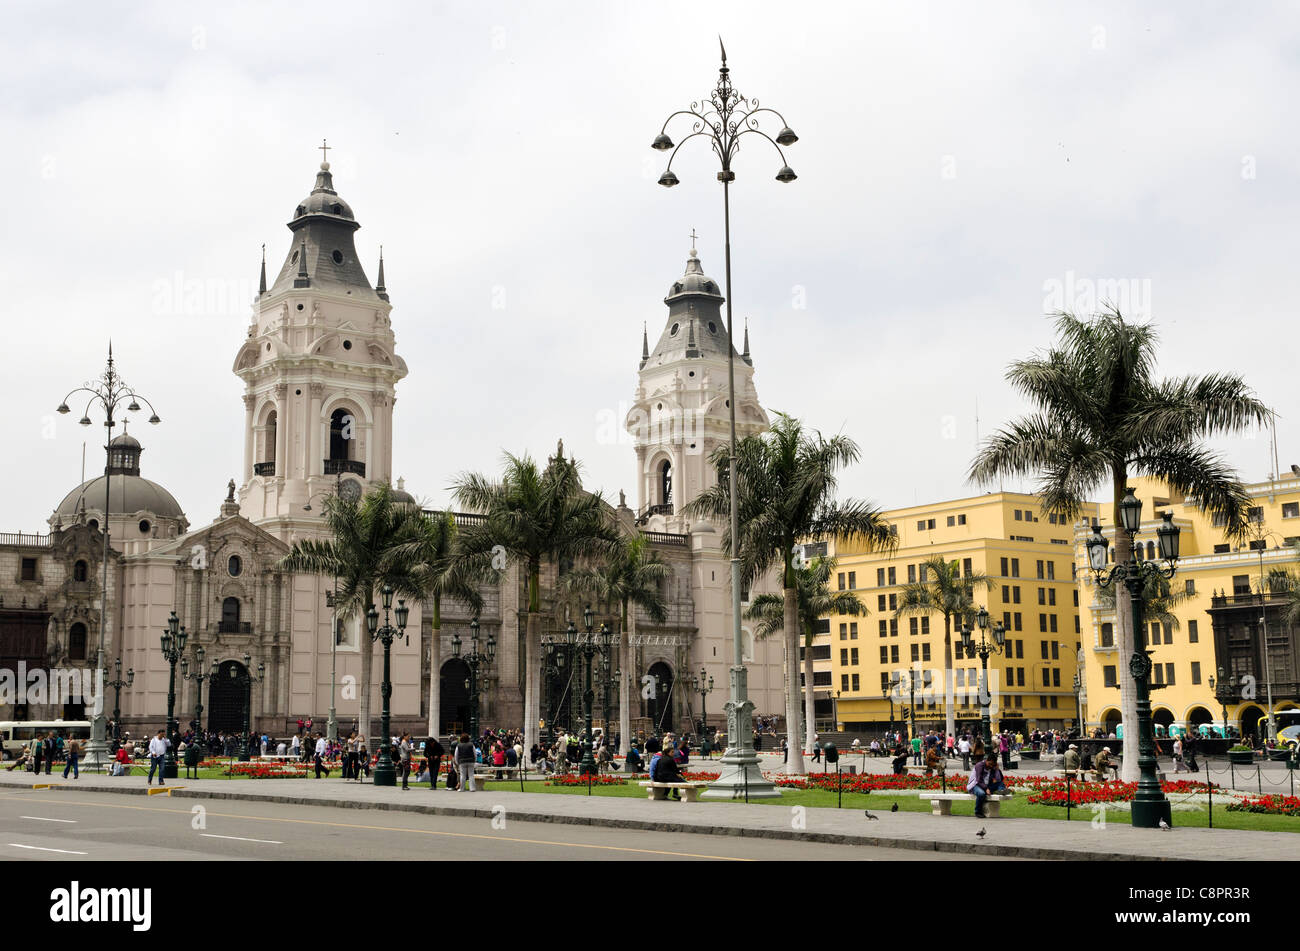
(320, 368)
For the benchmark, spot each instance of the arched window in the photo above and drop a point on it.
(342, 435)
(79, 570)
(268, 450)
(1151, 551)
(666, 482)
(77, 642)
(230, 616)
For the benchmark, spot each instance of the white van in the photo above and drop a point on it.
(15, 735)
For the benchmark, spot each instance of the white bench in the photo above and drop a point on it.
(659, 791)
(941, 803)
(490, 772)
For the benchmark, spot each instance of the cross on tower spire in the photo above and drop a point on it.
(324, 151)
(693, 237)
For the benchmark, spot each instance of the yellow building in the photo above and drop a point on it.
(1218, 621)
(1029, 558)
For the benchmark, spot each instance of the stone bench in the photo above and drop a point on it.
(659, 791)
(490, 772)
(941, 803)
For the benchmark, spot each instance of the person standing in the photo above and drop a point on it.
(434, 751)
(38, 753)
(157, 756)
(74, 751)
(963, 747)
(916, 751)
(1178, 756)
(49, 752)
(320, 757)
(404, 752)
(464, 756)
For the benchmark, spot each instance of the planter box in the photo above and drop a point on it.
(1241, 759)
(1029, 754)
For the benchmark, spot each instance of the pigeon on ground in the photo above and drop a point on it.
(982, 832)
(894, 807)
(869, 815)
(1164, 825)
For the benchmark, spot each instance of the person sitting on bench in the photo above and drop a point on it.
(666, 771)
(900, 760)
(985, 779)
(634, 762)
(1072, 762)
(1103, 763)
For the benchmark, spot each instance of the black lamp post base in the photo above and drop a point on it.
(169, 770)
(385, 774)
(1148, 815)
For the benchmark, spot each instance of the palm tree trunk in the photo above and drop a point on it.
(809, 701)
(367, 673)
(950, 715)
(1124, 638)
(435, 670)
(533, 661)
(794, 761)
(624, 690)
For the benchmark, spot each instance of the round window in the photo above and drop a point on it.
(297, 392)
(94, 525)
(692, 373)
(338, 257)
(144, 526)
(713, 328)
(268, 348)
(293, 259)
(347, 344)
(300, 306)
(234, 566)
(673, 331)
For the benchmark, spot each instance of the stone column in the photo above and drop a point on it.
(315, 457)
(250, 451)
(281, 430)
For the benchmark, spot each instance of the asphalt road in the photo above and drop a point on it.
(40, 825)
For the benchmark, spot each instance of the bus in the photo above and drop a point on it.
(1288, 728)
(17, 734)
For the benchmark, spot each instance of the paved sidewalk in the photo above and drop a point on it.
(1025, 838)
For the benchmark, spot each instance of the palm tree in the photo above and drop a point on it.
(943, 589)
(785, 494)
(363, 554)
(631, 574)
(536, 516)
(1101, 417)
(441, 570)
(815, 601)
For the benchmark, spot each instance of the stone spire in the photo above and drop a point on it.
(261, 284)
(379, 287)
(645, 345)
(302, 280)
(745, 356)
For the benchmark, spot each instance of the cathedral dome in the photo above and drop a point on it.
(324, 200)
(127, 495)
(694, 282)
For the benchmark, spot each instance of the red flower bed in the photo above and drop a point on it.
(575, 779)
(1271, 805)
(700, 776)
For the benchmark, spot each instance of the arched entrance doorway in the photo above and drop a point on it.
(660, 703)
(1199, 717)
(1163, 719)
(1250, 725)
(226, 698)
(453, 697)
(1110, 721)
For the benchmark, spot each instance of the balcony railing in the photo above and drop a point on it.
(264, 468)
(664, 538)
(234, 627)
(22, 538)
(345, 466)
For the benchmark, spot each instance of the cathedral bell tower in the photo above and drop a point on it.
(319, 368)
(681, 412)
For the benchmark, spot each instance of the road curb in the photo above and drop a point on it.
(973, 850)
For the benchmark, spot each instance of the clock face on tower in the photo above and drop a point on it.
(350, 490)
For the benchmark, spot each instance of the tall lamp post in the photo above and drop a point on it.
(1078, 703)
(117, 683)
(589, 648)
(247, 680)
(552, 671)
(984, 648)
(1150, 807)
(109, 391)
(894, 683)
(723, 118)
(173, 645)
(199, 675)
(474, 659)
(1227, 690)
(385, 773)
(610, 677)
(704, 687)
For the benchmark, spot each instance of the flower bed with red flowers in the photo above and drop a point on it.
(268, 770)
(1272, 805)
(1053, 792)
(579, 779)
(700, 776)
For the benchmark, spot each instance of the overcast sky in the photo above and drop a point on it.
(963, 168)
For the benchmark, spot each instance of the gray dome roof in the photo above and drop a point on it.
(694, 282)
(324, 200)
(127, 495)
(129, 442)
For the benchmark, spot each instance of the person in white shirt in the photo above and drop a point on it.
(963, 747)
(320, 757)
(295, 746)
(157, 757)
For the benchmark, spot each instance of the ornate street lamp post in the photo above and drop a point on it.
(703, 686)
(117, 683)
(173, 645)
(609, 678)
(247, 680)
(1227, 690)
(894, 683)
(722, 119)
(109, 391)
(474, 659)
(199, 675)
(984, 649)
(385, 773)
(588, 652)
(1150, 807)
